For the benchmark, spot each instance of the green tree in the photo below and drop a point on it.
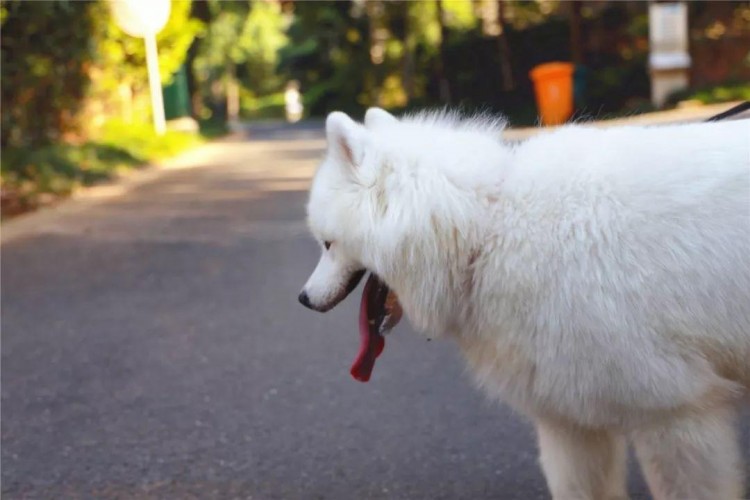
(350, 55)
(263, 36)
(62, 59)
(46, 56)
(329, 54)
(240, 46)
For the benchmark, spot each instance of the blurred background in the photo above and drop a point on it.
(152, 342)
(75, 93)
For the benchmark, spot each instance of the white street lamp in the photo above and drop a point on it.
(145, 19)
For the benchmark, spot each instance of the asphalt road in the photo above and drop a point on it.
(153, 347)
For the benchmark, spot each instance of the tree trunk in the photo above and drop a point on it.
(374, 10)
(233, 94)
(444, 86)
(199, 9)
(506, 64)
(576, 46)
(409, 69)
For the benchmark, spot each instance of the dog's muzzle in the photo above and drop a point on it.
(354, 280)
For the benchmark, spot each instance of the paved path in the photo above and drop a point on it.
(153, 348)
(686, 114)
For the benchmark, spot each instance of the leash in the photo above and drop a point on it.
(740, 108)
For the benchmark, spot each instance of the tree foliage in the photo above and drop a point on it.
(350, 55)
(51, 52)
(46, 55)
(124, 57)
(239, 47)
(61, 59)
(263, 36)
(329, 53)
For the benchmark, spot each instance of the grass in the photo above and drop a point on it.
(739, 91)
(33, 177)
(140, 141)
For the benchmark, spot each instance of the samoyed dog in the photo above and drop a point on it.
(597, 280)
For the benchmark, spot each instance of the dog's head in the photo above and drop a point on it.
(403, 200)
(342, 211)
(343, 215)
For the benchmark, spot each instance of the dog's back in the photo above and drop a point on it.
(626, 251)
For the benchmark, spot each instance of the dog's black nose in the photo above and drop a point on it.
(305, 300)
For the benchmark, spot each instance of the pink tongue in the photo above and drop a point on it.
(371, 342)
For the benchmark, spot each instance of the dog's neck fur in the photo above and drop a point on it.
(440, 256)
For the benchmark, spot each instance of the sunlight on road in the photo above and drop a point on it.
(188, 198)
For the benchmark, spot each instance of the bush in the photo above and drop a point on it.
(260, 108)
(46, 54)
(140, 140)
(739, 91)
(58, 57)
(34, 176)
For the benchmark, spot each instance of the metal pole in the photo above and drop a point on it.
(154, 81)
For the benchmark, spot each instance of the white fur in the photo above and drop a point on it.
(598, 280)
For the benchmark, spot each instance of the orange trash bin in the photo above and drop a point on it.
(553, 86)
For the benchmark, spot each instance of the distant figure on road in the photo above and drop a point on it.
(293, 102)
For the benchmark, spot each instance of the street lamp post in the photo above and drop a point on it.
(145, 19)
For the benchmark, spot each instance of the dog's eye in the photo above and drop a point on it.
(327, 244)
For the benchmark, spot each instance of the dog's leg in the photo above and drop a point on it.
(695, 456)
(582, 464)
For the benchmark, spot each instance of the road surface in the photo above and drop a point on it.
(153, 347)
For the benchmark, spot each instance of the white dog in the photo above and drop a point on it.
(598, 280)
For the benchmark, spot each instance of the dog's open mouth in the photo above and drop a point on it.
(379, 312)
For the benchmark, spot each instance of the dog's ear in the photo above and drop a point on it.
(376, 117)
(346, 138)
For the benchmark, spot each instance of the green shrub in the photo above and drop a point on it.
(46, 54)
(140, 140)
(262, 108)
(731, 91)
(31, 176)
